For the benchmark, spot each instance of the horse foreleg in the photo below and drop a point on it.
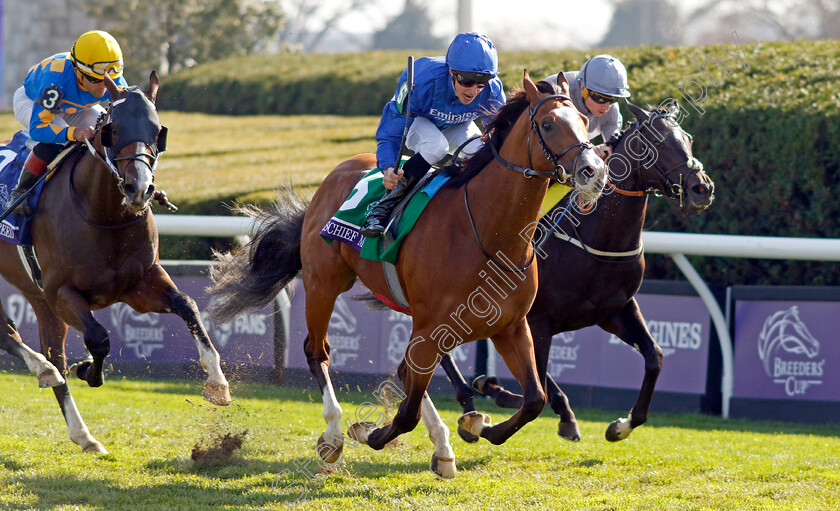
(516, 348)
(568, 427)
(95, 335)
(157, 293)
(10, 341)
(541, 331)
(463, 393)
(629, 326)
(415, 371)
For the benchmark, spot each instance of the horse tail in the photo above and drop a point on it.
(251, 277)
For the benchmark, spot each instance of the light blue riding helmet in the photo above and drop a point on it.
(472, 53)
(605, 75)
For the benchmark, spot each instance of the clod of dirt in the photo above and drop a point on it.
(219, 450)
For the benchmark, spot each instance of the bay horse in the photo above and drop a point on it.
(604, 246)
(480, 222)
(97, 243)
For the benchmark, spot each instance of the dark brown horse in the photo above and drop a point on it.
(443, 265)
(603, 247)
(97, 242)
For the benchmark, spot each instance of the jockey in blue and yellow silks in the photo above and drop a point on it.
(60, 101)
(449, 94)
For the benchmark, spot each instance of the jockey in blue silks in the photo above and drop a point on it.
(59, 102)
(449, 94)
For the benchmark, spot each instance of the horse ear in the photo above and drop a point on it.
(562, 82)
(639, 113)
(530, 88)
(113, 89)
(152, 91)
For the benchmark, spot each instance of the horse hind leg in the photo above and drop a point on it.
(443, 459)
(157, 293)
(216, 387)
(53, 331)
(76, 427)
(10, 341)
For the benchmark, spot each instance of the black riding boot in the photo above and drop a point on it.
(27, 180)
(377, 219)
(414, 169)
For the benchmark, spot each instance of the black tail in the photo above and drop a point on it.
(253, 275)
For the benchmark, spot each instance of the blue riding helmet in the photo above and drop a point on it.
(473, 53)
(605, 75)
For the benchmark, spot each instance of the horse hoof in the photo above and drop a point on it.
(50, 378)
(80, 369)
(466, 436)
(480, 382)
(95, 447)
(474, 422)
(328, 452)
(218, 395)
(360, 431)
(619, 429)
(443, 467)
(569, 431)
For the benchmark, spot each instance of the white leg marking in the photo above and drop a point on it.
(77, 429)
(332, 412)
(48, 375)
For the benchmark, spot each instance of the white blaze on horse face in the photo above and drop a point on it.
(590, 172)
(143, 176)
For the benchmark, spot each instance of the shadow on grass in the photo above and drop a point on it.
(88, 493)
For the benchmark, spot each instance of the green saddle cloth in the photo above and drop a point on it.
(344, 226)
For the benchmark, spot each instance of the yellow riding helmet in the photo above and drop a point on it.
(96, 53)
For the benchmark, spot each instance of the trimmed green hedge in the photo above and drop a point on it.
(769, 135)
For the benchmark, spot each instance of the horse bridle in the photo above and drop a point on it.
(693, 164)
(559, 173)
(111, 162)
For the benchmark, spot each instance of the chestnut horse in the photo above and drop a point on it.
(96, 240)
(604, 247)
(477, 224)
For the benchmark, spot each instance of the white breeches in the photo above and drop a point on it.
(433, 145)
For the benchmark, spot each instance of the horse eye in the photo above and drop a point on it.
(546, 126)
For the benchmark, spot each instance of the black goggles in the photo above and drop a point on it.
(469, 79)
(600, 98)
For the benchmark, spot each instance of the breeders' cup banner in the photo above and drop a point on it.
(593, 357)
(787, 350)
(135, 337)
(362, 340)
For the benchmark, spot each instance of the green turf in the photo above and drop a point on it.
(686, 462)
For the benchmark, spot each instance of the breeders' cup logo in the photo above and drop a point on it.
(788, 350)
(140, 332)
(342, 324)
(562, 356)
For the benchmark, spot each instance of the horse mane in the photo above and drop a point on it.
(655, 112)
(500, 128)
